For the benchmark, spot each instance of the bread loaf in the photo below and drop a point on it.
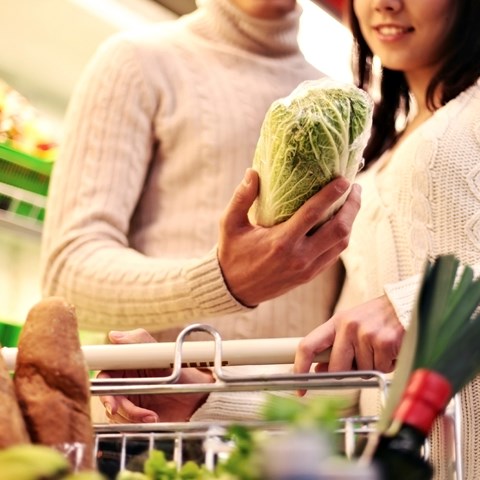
(51, 378)
(13, 430)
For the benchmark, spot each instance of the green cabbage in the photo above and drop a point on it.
(307, 139)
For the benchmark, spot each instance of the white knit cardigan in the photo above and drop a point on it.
(420, 202)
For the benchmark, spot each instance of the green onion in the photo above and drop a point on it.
(445, 330)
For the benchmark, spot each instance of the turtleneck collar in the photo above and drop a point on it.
(222, 21)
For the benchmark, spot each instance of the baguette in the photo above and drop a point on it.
(14, 430)
(51, 379)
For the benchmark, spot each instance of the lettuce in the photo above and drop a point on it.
(307, 139)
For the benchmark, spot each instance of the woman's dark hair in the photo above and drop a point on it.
(460, 69)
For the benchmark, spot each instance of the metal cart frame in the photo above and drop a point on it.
(211, 434)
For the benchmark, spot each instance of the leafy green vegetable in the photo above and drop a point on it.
(307, 139)
(450, 319)
(245, 461)
(444, 331)
(127, 475)
(158, 468)
(318, 412)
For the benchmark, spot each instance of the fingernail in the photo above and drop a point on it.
(108, 408)
(247, 178)
(150, 419)
(116, 335)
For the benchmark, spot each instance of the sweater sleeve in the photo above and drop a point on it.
(402, 296)
(443, 204)
(97, 180)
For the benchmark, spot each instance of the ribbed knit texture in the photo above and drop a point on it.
(420, 202)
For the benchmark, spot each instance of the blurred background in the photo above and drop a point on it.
(45, 46)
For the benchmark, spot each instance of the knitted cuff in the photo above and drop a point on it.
(403, 295)
(208, 288)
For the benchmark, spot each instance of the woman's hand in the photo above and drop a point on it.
(261, 263)
(151, 408)
(366, 337)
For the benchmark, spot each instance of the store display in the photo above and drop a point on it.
(22, 127)
(28, 149)
(9, 334)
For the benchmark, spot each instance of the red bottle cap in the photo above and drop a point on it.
(427, 394)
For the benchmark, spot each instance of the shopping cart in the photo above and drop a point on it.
(118, 446)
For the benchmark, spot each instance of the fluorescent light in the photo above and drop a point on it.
(325, 42)
(125, 15)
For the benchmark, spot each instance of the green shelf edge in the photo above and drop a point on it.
(27, 161)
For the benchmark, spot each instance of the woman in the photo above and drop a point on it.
(421, 190)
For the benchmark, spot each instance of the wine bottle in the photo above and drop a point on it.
(398, 452)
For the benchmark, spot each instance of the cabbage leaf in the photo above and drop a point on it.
(307, 139)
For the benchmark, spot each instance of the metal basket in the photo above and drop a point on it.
(119, 445)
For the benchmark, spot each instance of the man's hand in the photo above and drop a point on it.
(261, 263)
(367, 337)
(151, 408)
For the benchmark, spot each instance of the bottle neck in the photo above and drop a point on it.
(400, 457)
(426, 396)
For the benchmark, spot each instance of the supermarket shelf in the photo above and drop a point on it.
(21, 210)
(24, 183)
(18, 225)
(23, 160)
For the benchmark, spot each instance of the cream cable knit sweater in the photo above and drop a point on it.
(158, 134)
(422, 201)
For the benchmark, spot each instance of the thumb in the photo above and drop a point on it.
(236, 213)
(138, 335)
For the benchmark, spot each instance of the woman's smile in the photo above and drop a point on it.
(388, 32)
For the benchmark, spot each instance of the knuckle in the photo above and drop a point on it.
(280, 247)
(311, 216)
(295, 258)
(300, 266)
(385, 344)
(312, 212)
(304, 348)
(342, 227)
(342, 244)
(351, 326)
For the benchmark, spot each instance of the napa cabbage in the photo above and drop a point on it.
(307, 139)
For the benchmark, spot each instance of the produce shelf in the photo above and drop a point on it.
(23, 189)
